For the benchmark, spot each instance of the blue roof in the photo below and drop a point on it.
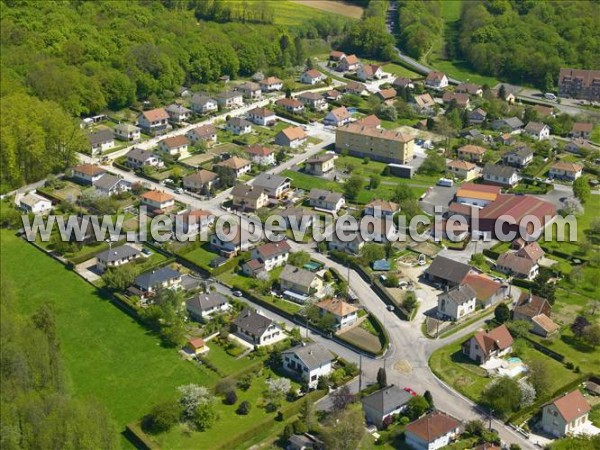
(382, 264)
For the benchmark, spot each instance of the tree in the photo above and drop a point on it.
(386, 112)
(372, 252)
(402, 193)
(579, 325)
(503, 395)
(427, 396)
(593, 306)
(528, 393)
(244, 408)
(231, 398)
(307, 414)
(162, 417)
(192, 396)
(374, 181)
(502, 92)
(341, 398)
(277, 388)
(299, 259)
(381, 377)
(205, 415)
(417, 406)
(543, 287)
(502, 313)
(410, 300)
(119, 278)
(581, 189)
(519, 328)
(345, 429)
(433, 164)
(474, 428)
(353, 186)
(591, 335)
(539, 376)
(288, 432)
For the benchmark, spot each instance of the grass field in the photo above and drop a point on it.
(289, 13)
(108, 355)
(334, 7)
(400, 71)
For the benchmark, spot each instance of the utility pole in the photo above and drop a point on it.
(491, 412)
(360, 372)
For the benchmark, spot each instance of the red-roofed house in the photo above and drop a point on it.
(88, 173)
(486, 344)
(312, 77)
(567, 414)
(157, 201)
(291, 137)
(336, 55)
(473, 153)
(262, 116)
(582, 130)
(175, 145)
(436, 80)
(261, 155)
(433, 431)
(155, 121)
(196, 346)
(268, 256)
(290, 105)
(487, 291)
(462, 169)
(348, 63)
(370, 72)
(337, 117)
(344, 313)
(565, 170)
(270, 84)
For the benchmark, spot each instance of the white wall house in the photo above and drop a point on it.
(457, 303)
(308, 362)
(34, 203)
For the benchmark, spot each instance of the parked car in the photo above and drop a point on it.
(410, 391)
(238, 293)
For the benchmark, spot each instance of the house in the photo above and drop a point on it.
(204, 133)
(275, 186)
(304, 441)
(579, 146)
(231, 243)
(477, 194)
(502, 175)
(249, 90)
(462, 100)
(506, 139)
(462, 169)
(312, 77)
(381, 208)
(532, 251)
(300, 284)
(175, 145)
(333, 95)
(202, 306)
(202, 181)
(178, 113)
(535, 310)
(271, 255)
(473, 153)
(313, 100)
(369, 121)
(348, 63)
(271, 84)
(512, 124)
(114, 257)
(292, 137)
(432, 432)
(34, 203)
(567, 414)
(157, 201)
(387, 402)
(579, 83)
(345, 314)
(320, 164)
(291, 105)
(477, 116)
(582, 130)
(537, 130)
(517, 266)
(192, 222)
(230, 99)
(248, 198)
(352, 246)
(101, 140)
(235, 165)
(164, 278)
(257, 329)
(369, 72)
(260, 155)
(469, 88)
(238, 126)
(155, 121)
(487, 344)
(87, 173)
(509, 93)
(566, 171)
(447, 271)
(109, 184)
(521, 157)
(387, 96)
(336, 55)
(457, 303)
(378, 229)
(355, 88)
(203, 104)
(424, 104)
(309, 362)
(403, 83)
(488, 291)
(262, 116)
(337, 117)
(196, 346)
(127, 132)
(327, 200)
(138, 158)
(436, 80)
(382, 145)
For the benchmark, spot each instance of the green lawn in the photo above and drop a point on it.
(400, 71)
(288, 13)
(201, 256)
(108, 355)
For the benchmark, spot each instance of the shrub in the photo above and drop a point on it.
(231, 397)
(244, 408)
(162, 417)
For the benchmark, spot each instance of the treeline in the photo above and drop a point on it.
(256, 11)
(420, 25)
(369, 38)
(37, 410)
(525, 41)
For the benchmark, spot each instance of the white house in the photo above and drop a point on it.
(238, 166)
(326, 200)
(272, 254)
(101, 140)
(249, 89)
(369, 72)
(312, 77)
(567, 414)
(387, 402)
(345, 314)
(178, 113)
(520, 157)
(230, 99)
(436, 80)
(127, 132)
(313, 100)
(275, 186)
(137, 158)
(457, 303)
(300, 284)
(175, 145)
(238, 126)
(202, 306)
(34, 203)
(502, 175)
(109, 184)
(261, 155)
(156, 200)
(153, 280)
(487, 344)
(257, 329)
(203, 104)
(204, 133)
(262, 116)
(537, 130)
(155, 121)
(348, 63)
(566, 171)
(337, 117)
(87, 173)
(114, 257)
(292, 137)
(308, 362)
(271, 84)
(432, 432)
(201, 181)
(291, 105)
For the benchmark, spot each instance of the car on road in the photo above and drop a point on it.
(550, 96)
(179, 191)
(410, 391)
(146, 251)
(237, 294)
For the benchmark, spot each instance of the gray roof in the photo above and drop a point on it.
(448, 269)
(322, 194)
(499, 171)
(461, 294)
(252, 322)
(178, 109)
(297, 275)
(107, 181)
(140, 154)
(295, 212)
(320, 158)
(523, 152)
(118, 253)
(201, 99)
(511, 122)
(101, 136)
(126, 127)
(387, 399)
(245, 190)
(238, 122)
(150, 279)
(269, 181)
(313, 355)
(204, 302)
(535, 127)
(228, 94)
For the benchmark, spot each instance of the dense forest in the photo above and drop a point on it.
(37, 409)
(420, 25)
(529, 41)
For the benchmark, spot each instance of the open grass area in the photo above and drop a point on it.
(108, 355)
(400, 71)
(202, 256)
(362, 338)
(289, 13)
(331, 6)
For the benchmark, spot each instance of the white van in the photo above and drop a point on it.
(550, 96)
(445, 182)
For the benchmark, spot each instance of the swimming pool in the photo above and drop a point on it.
(514, 360)
(313, 266)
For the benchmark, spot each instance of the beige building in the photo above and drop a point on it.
(566, 414)
(249, 198)
(378, 144)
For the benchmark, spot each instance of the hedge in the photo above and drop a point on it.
(286, 115)
(526, 284)
(491, 253)
(138, 438)
(545, 350)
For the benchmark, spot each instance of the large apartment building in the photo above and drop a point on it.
(579, 83)
(377, 144)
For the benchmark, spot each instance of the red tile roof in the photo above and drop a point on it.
(572, 405)
(473, 149)
(196, 343)
(483, 285)
(517, 206)
(176, 141)
(369, 121)
(567, 167)
(433, 426)
(532, 251)
(89, 169)
(337, 307)
(294, 133)
(156, 114)
(583, 126)
(157, 196)
(497, 339)
(258, 150)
